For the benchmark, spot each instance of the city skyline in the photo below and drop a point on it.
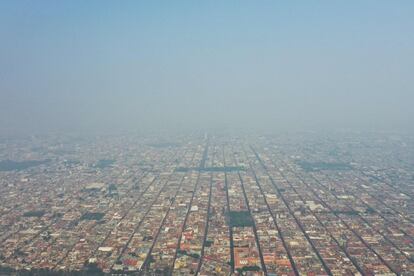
(206, 138)
(208, 205)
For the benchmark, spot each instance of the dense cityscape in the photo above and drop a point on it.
(206, 138)
(207, 204)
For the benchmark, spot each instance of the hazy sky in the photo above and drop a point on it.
(118, 65)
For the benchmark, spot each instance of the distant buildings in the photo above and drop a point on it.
(325, 207)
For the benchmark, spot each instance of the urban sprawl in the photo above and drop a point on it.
(305, 204)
